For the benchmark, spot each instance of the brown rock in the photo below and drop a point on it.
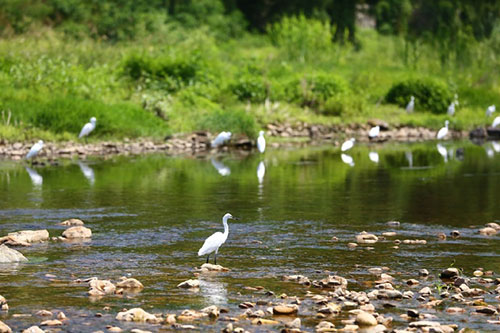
(284, 309)
(212, 311)
(77, 232)
(262, 321)
(449, 273)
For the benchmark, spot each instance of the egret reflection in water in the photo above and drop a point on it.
(36, 179)
(222, 169)
(409, 158)
(347, 159)
(373, 155)
(261, 171)
(88, 172)
(496, 146)
(213, 291)
(443, 152)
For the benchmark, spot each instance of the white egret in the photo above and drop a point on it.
(221, 139)
(374, 132)
(36, 179)
(261, 142)
(373, 155)
(261, 171)
(496, 122)
(347, 159)
(213, 242)
(87, 128)
(88, 172)
(35, 149)
(411, 105)
(490, 110)
(443, 131)
(443, 152)
(451, 109)
(348, 144)
(222, 169)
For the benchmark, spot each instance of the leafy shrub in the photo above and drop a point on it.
(314, 90)
(301, 38)
(236, 121)
(430, 94)
(249, 87)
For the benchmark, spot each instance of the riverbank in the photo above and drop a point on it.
(278, 135)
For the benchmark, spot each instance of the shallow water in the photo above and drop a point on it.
(149, 215)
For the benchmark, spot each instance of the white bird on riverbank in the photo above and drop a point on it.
(87, 128)
(374, 132)
(261, 142)
(373, 155)
(213, 242)
(411, 105)
(347, 159)
(443, 131)
(35, 149)
(496, 122)
(221, 139)
(451, 109)
(348, 144)
(490, 110)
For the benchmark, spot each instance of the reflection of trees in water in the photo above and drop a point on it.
(213, 291)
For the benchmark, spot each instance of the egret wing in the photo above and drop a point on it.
(212, 243)
(86, 129)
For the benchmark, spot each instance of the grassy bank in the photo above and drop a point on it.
(179, 80)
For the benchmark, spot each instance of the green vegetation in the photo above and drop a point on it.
(156, 68)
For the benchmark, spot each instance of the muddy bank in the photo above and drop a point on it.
(199, 142)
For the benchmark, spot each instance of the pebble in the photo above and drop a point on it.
(189, 284)
(352, 245)
(114, 329)
(3, 304)
(212, 311)
(426, 291)
(294, 323)
(206, 268)
(389, 234)
(101, 287)
(325, 326)
(423, 272)
(478, 273)
(441, 236)
(136, 330)
(330, 308)
(412, 282)
(455, 310)
(262, 321)
(77, 232)
(246, 305)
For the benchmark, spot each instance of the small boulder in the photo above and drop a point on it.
(25, 237)
(493, 225)
(137, 315)
(8, 255)
(33, 329)
(285, 309)
(393, 223)
(43, 313)
(4, 328)
(72, 222)
(189, 284)
(3, 304)
(129, 283)
(51, 322)
(101, 287)
(294, 323)
(365, 319)
(366, 238)
(212, 311)
(488, 231)
(325, 326)
(77, 232)
(449, 273)
(205, 268)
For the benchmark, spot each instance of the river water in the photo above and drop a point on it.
(150, 214)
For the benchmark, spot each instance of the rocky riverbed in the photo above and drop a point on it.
(199, 142)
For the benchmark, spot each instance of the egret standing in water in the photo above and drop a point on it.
(496, 122)
(87, 128)
(374, 132)
(443, 131)
(221, 139)
(348, 144)
(411, 105)
(490, 110)
(35, 150)
(261, 142)
(215, 241)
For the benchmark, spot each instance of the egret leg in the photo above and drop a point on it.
(207, 258)
(215, 260)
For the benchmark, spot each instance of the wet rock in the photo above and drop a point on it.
(487, 231)
(32, 329)
(114, 329)
(352, 245)
(375, 270)
(330, 308)
(455, 310)
(366, 238)
(212, 311)
(43, 313)
(8, 255)
(365, 319)
(415, 241)
(184, 327)
(478, 273)
(77, 232)
(284, 309)
(389, 234)
(190, 315)
(205, 268)
(413, 313)
(296, 323)
(189, 284)
(137, 315)
(412, 282)
(423, 272)
(489, 310)
(424, 323)
(255, 314)
(441, 236)
(325, 326)
(246, 305)
(136, 330)
(408, 294)
(72, 222)
(493, 225)
(393, 223)
(426, 291)
(129, 283)
(449, 273)
(51, 322)
(170, 319)
(101, 287)
(301, 279)
(262, 321)
(331, 281)
(4, 328)
(455, 234)
(388, 294)
(25, 237)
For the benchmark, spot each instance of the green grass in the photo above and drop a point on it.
(179, 81)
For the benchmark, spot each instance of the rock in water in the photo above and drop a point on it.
(205, 268)
(366, 238)
(449, 273)
(34, 329)
(25, 237)
(101, 287)
(4, 328)
(130, 283)
(284, 309)
(77, 232)
(137, 315)
(72, 222)
(365, 319)
(488, 231)
(8, 255)
(189, 284)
